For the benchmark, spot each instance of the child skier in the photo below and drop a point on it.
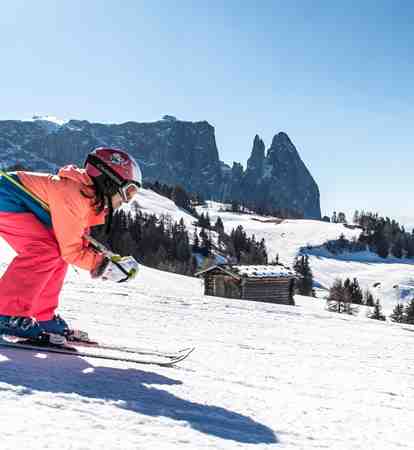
(50, 237)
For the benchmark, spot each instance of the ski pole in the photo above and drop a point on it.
(99, 246)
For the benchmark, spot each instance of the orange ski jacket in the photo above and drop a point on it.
(71, 212)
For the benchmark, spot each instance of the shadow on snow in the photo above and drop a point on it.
(128, 387)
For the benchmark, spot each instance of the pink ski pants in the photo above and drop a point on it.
(32, 282)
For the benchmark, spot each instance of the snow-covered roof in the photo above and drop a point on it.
(258, 271)
(263, 271)
(224, 269)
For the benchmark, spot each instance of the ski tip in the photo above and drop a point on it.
(186, 350)
(185, 353)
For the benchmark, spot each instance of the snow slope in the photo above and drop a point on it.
(150, 202)
(283, 238)
(263, 376)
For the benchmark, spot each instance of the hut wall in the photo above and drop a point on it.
(272, 289)
(221, 285)
(232, 288)
(209, 285)
(276, 290)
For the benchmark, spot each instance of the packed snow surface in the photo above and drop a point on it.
(263, 376)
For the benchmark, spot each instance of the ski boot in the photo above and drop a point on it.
(56, 325)
(23, 327)
(59, 327)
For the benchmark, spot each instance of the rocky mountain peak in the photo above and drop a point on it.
(282, 143)
(256, 161)
(171, 151)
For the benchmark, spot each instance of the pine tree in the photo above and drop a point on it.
(409, 313)
(208, 223)
(368, 298)
(398, 247)
(304, 285)
(409, 247)
(181, 198)
(398, 313)
(201, 221)
(380, 242)
(356, 292)
(348, 290)
(377, 314)
(341, 217)
(183, 250)
(347, 296)
(205, 246)
(196, 241)
(219, 226)
(262, 253)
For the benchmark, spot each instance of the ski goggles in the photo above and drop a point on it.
(128, 191)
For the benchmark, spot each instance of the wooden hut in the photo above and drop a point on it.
(258, 283)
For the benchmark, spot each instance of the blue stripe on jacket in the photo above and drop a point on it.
(15, 200)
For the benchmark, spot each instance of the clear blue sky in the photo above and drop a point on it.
(338, 78)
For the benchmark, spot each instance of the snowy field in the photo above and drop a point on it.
(396, 276)
(263, 376)
(393, 278)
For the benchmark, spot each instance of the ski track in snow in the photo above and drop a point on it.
(262, 376)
